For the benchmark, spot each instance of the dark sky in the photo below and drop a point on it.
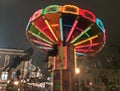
(14, 16)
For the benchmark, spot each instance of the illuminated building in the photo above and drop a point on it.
(6, 55)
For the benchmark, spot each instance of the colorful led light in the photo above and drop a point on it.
(40, 37)
(83, 46)
(81, 29)
(66, 57)
(44, 33)
(84, 50)
(72, 29)
(87, 14)
(55, 63)
(51, 30)
(70, 9)
(61, 29)
(42, 43)
(51, 9)
(100, 24)
(87, 29)
(36, 15)
(88, 39)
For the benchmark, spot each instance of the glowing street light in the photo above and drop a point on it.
(77, 70)
(16, 82)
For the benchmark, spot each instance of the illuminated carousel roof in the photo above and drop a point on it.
(67, 25)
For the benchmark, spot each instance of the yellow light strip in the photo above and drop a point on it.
(86, 40)
(51, 30)
(55, 25)
(91, 42)
(43, 32)
(70, 7)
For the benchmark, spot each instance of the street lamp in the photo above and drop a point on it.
(16, 82)
(77, 70)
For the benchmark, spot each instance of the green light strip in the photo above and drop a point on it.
(51, 9)
(87, 29)
(87, 34)
(39, 37)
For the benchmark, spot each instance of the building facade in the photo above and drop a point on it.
(6, 56)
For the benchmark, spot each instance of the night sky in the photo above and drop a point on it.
(14, 16)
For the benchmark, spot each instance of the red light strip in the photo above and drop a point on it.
(88, 46)
(84, 50)
(54, 63)
(79, 29)
(66, 57)
(38, 42)
(104, 36)
(44, 33)
(36, 15)
(44, 28)
(72, 29)
(87, 14)
(83, 46)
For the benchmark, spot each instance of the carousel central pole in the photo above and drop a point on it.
(63, 69)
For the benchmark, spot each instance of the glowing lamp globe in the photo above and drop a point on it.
(66, 25)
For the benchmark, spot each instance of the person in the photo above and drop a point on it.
(13, 75)
(17, 74)
(37, 72)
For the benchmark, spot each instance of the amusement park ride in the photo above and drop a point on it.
(65, 32)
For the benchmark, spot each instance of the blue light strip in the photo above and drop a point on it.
(80, 54)
(28, 25)
(61, 29)
(100, 24)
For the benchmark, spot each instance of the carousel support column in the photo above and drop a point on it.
(62, 71)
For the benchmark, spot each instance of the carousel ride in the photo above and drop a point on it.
(65, 32)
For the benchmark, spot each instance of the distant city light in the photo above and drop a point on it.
(16, 82)
(90, 83)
